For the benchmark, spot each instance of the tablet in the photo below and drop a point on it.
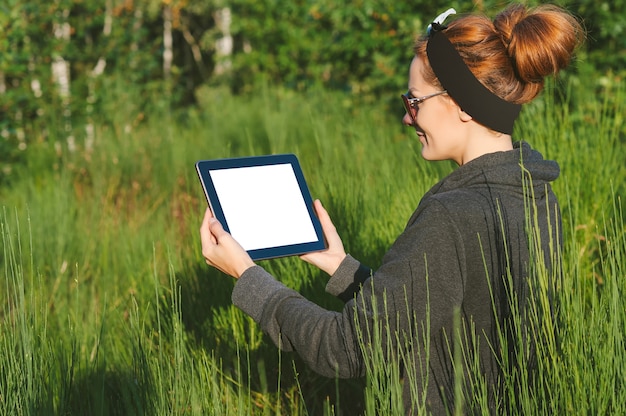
(264, 203)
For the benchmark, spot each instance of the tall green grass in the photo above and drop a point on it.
(106, 305)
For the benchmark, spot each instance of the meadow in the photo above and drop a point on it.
(107, 307)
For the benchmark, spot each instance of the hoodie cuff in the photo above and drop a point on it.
(347, 279)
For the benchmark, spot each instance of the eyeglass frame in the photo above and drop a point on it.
(411, 104)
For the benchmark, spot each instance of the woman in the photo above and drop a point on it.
(468, 249)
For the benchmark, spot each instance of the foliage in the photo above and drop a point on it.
(606, 25)
(362, 47)
(35, 105)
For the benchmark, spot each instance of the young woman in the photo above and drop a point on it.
(467, 250)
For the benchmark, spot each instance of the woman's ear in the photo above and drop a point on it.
(463, 116)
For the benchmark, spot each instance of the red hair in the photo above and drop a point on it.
(512, 54)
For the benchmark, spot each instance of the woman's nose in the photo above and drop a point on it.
(407, 120)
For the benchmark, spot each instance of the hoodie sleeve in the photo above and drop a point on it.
(421, 268)
(324, 339)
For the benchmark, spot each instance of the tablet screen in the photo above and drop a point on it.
(264, 203)
(280, 217)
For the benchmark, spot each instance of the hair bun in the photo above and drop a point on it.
(540, 41)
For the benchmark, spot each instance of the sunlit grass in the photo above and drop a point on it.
(106, 306)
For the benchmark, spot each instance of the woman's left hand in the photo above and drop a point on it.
(329, 259)
(220, 249)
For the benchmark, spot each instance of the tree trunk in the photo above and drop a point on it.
(168, 53)
(106, 32)
(61, 77)
(224, 45)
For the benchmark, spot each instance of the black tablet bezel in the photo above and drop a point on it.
(203, 167)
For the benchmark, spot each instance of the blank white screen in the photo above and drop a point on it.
(263, 206)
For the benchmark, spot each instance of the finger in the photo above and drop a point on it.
(216, 228)
(323, 216)
(206, 237)
(208, 216)
(330, 232)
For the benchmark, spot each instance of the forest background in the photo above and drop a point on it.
(59, 57)
(106, 306)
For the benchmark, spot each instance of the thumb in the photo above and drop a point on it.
(322, 214)
(216, 228)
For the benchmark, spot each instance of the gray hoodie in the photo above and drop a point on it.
(467, 238)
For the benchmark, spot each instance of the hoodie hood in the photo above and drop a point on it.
(503, 170)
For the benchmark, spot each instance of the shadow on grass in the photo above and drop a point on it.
(204, 292)
(97, 392)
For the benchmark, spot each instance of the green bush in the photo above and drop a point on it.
(362, 47)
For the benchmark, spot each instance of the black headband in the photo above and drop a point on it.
(473, 97)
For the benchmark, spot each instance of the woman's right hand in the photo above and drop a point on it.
(220, 249)
(329, 259)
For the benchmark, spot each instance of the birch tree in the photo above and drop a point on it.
(60, 69)
(224, 45)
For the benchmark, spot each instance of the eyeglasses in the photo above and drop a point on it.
(411, 103)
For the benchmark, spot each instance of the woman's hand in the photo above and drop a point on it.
(327, 260)
(220, 249)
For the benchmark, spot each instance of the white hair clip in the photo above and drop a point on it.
(440, 19)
